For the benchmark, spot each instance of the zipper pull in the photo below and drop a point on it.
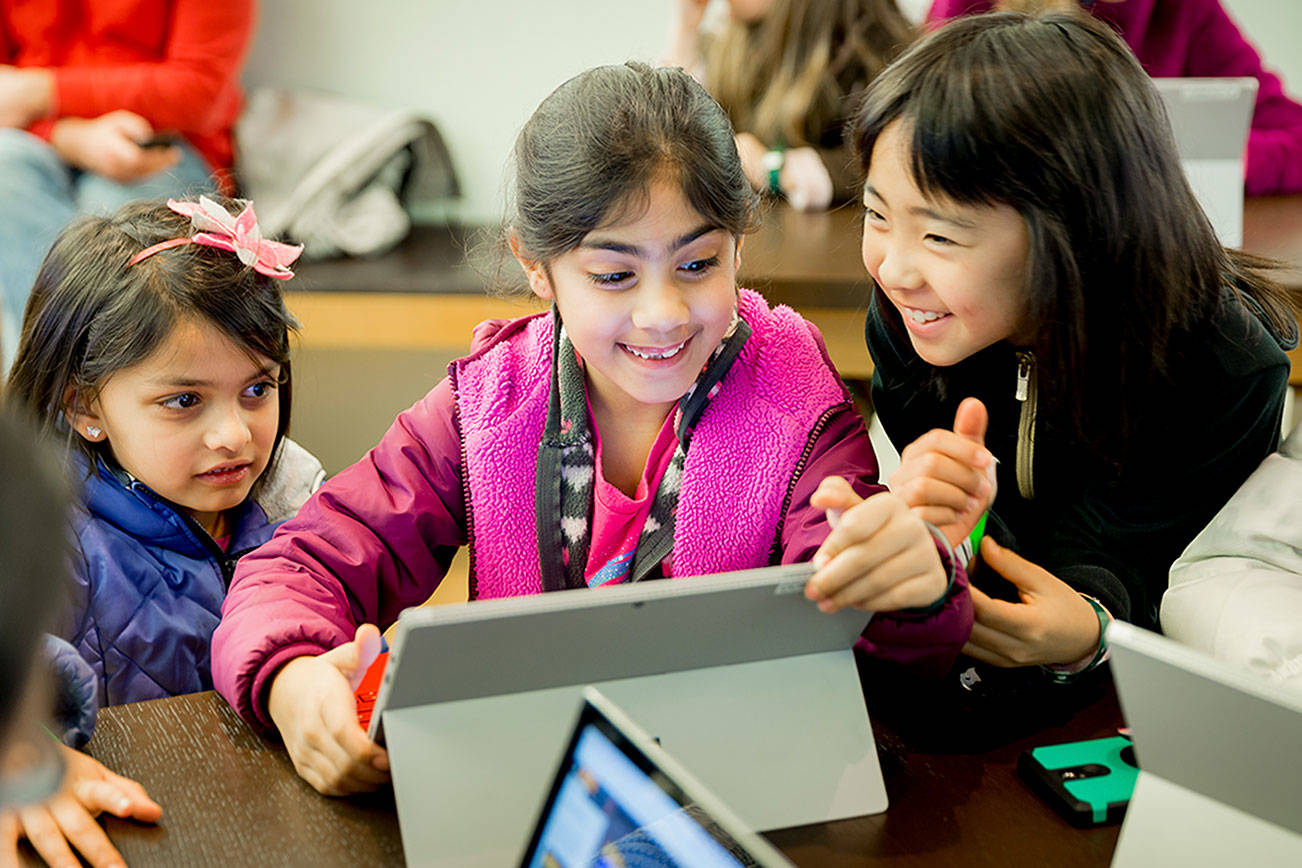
(1023, 376)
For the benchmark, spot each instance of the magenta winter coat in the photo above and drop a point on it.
(379, 536)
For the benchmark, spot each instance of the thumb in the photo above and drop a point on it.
(352, 659)
(834, 495)
(131, 125)
(971, 419)
(1028, 577)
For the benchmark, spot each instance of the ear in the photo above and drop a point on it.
(539, 281)
(736, 257)
(83, 416)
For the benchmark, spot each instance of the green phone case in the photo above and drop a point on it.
(1088, 782)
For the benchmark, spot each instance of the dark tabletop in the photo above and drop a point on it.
(231, 797)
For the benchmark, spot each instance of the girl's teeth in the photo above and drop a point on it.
(667, 354)
(923, 315)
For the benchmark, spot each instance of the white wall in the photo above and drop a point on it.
(479, 67)
(1275, 28)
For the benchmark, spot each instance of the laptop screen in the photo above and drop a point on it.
(611, 805)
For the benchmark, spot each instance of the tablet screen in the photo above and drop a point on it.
(611, 806)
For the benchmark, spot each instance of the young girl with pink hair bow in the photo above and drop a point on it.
(156, 344)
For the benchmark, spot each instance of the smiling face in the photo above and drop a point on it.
(955, 272)
(195, 421)
(645, 301)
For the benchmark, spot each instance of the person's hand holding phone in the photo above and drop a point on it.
(109, 145)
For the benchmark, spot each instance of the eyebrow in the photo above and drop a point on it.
(928, 212)
(634, 250)
(187, 383)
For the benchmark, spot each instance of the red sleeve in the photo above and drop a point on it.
(372, 541)
(6, 44)
(1218, 48)
(193, 88)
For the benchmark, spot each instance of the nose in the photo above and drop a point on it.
(890, 262)
(659, 307)
(229, 431)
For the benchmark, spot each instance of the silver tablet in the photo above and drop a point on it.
(493, 647)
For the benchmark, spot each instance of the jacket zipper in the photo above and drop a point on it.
(823, 422)
(1026, 389)
(472, 584)
(225, 561)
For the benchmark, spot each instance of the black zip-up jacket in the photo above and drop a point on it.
(1109, 531)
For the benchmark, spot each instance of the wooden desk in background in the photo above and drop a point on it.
(423, 295)
(230, 797)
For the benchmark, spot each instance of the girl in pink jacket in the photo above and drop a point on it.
(658, 422)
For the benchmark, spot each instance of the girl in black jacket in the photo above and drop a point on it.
(1037, 251)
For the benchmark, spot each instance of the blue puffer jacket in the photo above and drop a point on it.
(149, 582)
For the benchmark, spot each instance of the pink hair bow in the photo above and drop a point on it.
(214, 227)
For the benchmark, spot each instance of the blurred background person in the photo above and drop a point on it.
(49, 793)
(787, 72)
(102, 103)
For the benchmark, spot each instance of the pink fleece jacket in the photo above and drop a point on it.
(1193, 38)
(458, 468)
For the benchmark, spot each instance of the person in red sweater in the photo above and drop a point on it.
(105, 102)
(1187, 39)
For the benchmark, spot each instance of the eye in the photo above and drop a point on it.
(939, 239)
(699, 266)
(184, 401)
(872, 215)
(260, 390)
(611, 278)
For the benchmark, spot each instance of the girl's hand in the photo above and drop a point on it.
(67, 820)
(947, 477)
(107, 145)
(879, 556)
(751, 151)
(312, 704)
(1052, 625)
(805, 181)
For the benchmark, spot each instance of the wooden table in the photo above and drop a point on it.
(230, 797)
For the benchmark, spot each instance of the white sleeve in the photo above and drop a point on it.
(1236, 592)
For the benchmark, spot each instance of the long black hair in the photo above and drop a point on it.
(1053, 116)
